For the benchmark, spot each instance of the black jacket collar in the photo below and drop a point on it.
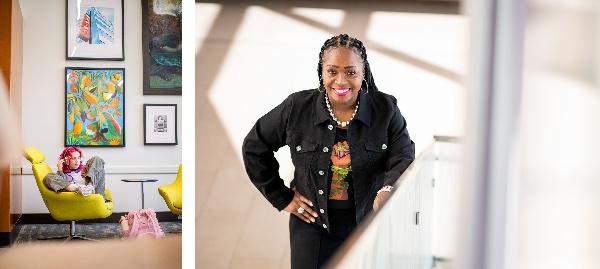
(363, 115)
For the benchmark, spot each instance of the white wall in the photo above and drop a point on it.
(43, 107)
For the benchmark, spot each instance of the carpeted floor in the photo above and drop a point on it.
(99, 231)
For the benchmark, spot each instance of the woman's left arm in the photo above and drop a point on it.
(401, 153)
(401, 149)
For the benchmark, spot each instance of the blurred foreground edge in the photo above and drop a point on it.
(138, 253)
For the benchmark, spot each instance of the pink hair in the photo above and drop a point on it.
(66, 153)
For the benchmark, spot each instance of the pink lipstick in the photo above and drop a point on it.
(341, 91)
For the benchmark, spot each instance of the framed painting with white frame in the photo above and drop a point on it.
(94, 30)
(160, 124)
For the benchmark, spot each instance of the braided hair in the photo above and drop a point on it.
(346, 41)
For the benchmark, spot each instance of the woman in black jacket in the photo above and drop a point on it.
(349, 144)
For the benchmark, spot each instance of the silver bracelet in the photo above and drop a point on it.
(387, 188)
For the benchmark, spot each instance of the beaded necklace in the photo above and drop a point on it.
(340, 123)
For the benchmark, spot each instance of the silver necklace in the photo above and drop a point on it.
(340, 123)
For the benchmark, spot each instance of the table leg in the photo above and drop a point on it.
(142, 194)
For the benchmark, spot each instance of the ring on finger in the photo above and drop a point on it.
(300, 210)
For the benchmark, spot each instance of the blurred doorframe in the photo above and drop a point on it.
(11, 61)
(489, 189)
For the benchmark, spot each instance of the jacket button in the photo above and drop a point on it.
(324, 226)
(321, 192)
(330, 127)
(321, 172)
(322, 211)
(298, 148)
(325, 149)
(384, 146)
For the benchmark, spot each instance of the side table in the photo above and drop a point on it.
(141, 181)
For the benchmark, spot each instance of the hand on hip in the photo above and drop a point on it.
(302, 208)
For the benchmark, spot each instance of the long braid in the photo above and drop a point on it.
(345, 41)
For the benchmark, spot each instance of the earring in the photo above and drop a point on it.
(320, 83)
(366, 83)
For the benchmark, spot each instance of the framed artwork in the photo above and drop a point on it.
(95, 107)
(161, 42)
(94, 30)
(160, 124)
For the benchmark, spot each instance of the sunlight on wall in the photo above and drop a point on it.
(261, 69)
(432, 105)
(330, 17)
(438, 39)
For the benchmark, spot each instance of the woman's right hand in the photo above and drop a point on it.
(60, 163)
(308, 215)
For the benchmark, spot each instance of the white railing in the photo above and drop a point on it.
(416, 226)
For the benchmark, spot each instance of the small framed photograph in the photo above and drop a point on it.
(94, 107)
(160, 124)
(161, 47)
(94, 30)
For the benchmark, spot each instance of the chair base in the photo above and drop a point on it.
(68, 238)
(71, 236)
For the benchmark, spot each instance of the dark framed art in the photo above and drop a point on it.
(160, 124)
(161, 46)
(94, 30)
(94, 107)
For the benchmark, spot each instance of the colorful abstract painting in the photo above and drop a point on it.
(95, 108)
(162, 46)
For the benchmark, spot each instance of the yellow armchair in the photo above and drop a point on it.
(67, 206)
(172, 194)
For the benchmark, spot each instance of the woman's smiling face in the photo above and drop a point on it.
(343, 72)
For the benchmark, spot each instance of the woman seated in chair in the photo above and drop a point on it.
(73, 176)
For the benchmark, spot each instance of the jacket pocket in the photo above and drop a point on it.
(377, 152)
(302, 151)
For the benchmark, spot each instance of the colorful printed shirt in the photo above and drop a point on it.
(341, 192)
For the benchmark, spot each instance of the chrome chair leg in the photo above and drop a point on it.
(71, 236)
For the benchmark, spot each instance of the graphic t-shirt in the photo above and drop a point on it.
(341, 192)
(74, 177)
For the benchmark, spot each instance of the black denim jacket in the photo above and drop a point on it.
(380, 147)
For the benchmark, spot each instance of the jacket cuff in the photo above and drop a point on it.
(281, 197)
